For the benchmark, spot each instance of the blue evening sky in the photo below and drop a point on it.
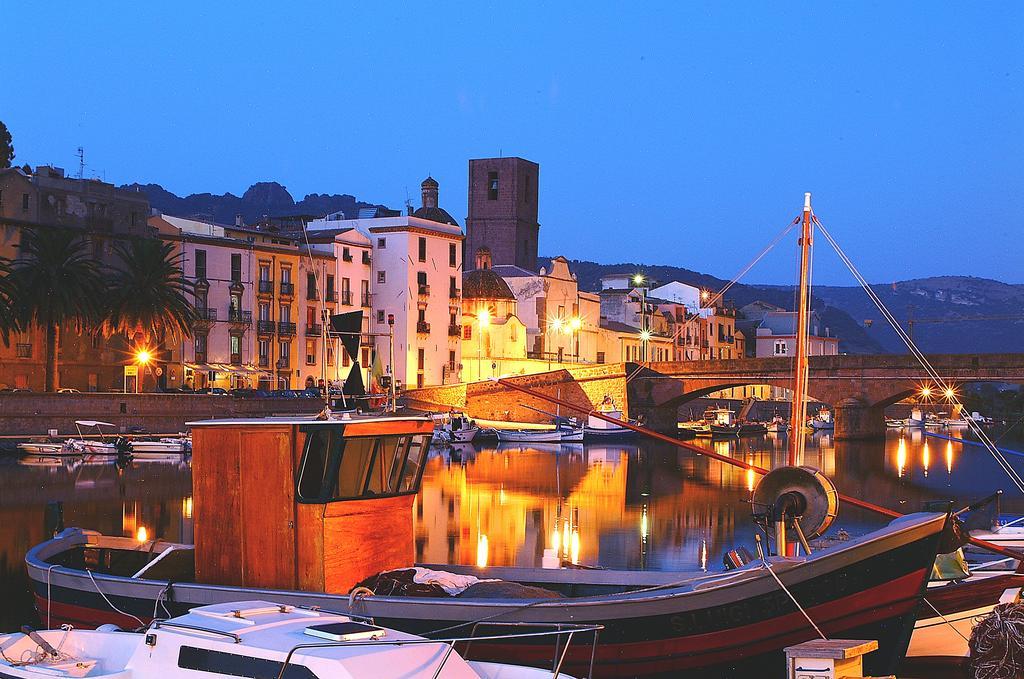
(679, 133)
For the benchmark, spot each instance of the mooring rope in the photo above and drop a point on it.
(111, 603)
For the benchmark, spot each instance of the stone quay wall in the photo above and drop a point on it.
(586, 387)
(31, 414)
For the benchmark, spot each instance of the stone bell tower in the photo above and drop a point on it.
(502, 215)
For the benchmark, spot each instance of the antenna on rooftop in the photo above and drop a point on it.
(408, 202)
(81, 162)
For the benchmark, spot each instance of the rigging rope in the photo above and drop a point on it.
(921, 358)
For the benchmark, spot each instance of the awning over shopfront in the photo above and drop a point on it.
(227, 369)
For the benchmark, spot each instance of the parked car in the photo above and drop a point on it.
(243, 393)
(213, 391)
(282, 393)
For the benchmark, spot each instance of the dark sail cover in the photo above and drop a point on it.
(354, 383)
(350, 326)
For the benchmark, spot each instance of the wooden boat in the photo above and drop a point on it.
(562, 432)
(718, 423)
(260, 639)
(778, 425)
(460, 428)
(299, 512)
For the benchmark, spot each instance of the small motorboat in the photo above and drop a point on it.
(777, 425)
(460, 428)
(162, 447)
(47, 448)
(598, 428)
(822, 421)
(894, 423)
(263, 639)
(104, 446)
(566, 431)
(718, 423)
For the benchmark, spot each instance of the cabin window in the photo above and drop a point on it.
(231, 664)
(337, 468)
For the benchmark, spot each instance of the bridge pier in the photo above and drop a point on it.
(855, 418)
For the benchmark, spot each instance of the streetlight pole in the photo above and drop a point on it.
(639, 281)
(483, 319)
(391, 358)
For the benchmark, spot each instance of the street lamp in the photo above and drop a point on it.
(639, 281)
(142, 357)
(484, 319)
(575, 324)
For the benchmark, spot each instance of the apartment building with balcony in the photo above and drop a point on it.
(45, 198)
(416, 269)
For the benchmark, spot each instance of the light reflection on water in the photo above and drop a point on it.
(622, 506)
(652, 506)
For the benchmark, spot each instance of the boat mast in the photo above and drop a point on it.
(800, 372)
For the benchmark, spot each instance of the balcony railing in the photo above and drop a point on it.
(454, 330)
(366, 258)
(24, 350)
(314, 329)
(266, 287)
(239, 317)
(364, 300)
(266, 327)
(422, 327)
(285, 328)
(287, 289)
(263, 361)
(454, 293)
(346, 297)
(236, 359)
(205, 316)
(283, 363)
(346, 256)
(423, 289)
(312, 295)
(332, 296)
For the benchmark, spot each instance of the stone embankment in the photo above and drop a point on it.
(35, 414)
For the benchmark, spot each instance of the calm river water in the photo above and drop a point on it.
(638, 506)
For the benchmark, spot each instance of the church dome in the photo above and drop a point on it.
(430, 209)
(485, 284)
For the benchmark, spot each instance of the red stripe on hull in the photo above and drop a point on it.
(82, 617)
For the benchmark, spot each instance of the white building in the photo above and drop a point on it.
(416, 278)
(679, 293)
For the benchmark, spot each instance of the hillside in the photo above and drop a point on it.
(263, 199)
(938, 304)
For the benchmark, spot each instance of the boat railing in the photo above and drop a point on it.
(157, 624)
(556, 631)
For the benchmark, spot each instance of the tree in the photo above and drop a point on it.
(8, 321)
(149, 293)
(55, 282)
(6, 147)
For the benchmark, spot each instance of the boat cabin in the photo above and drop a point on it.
(719, 416)
(301, 504)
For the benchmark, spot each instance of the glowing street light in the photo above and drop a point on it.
(950, 394)
(926, 392)
(705, 295)
(575, 323)
(639, 279)
(142, 357)
(645, 336)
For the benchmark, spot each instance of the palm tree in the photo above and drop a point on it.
(150, 294)
(55, 282)
(8, 321)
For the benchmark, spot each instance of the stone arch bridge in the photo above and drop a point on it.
(858, 388)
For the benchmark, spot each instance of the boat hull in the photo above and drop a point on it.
(869, 588)
(540, 435)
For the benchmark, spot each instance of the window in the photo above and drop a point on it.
(366, 356)
(264, 272)
(235, 304)
(310, 316)
(264, 312)
(380, 315)
(284, 349)
(285, 314)
(200, 344)
(231, 664)
(200, 263)
(236, 267)
(453, 287)
(330, 287)
(133, 218)
(421, 278)
(781, 347)
(421, 315)
(467, 331)
(337, 468)
(24, 202)
(382, 243)
(420, 358)
(452, 255)
(330, 354)
(451, 361)
(422, 249)
(600, 357)
(382, 277)
(286, 274)
(346, 254)
(492, 186)
(310, 352)
(311, 285)
(264, 349)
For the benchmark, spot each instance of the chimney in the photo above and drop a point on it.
(238, 220)
(428, 190)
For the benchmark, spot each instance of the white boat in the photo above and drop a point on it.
(560, 433)
(460, 428)
(259, 639)
(822, 421)
(597, 428)
(45, 448)
(163, 446)
(91, 446)
(777, 425)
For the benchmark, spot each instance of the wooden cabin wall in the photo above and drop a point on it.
(364, 537)
(243, 507)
